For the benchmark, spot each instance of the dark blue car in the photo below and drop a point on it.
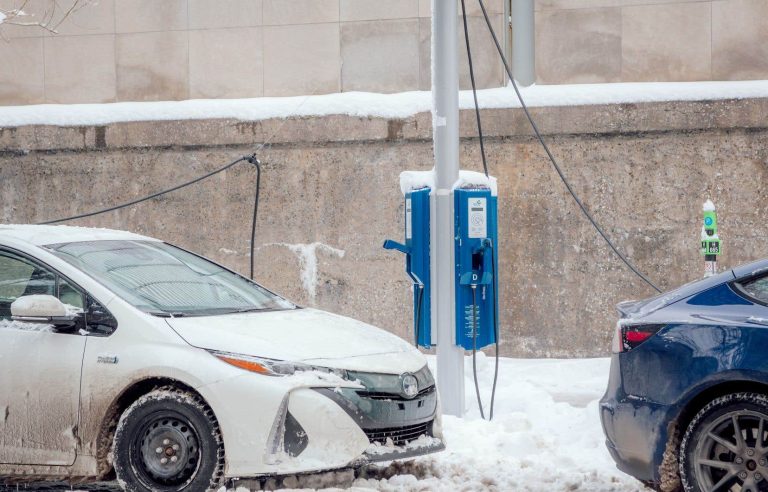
(687, 400)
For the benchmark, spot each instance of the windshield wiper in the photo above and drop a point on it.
(251, 309)
(164, 314)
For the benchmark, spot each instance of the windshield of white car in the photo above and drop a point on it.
(167, 281)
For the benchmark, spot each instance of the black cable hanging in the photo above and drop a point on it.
(253, 160)
(148, 197)
(493, 257)
(552, 157)
(474, 88)
(248, 158)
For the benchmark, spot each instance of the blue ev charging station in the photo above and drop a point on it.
(447, 242)
(475, 260)
(416, 249)
(476, 266)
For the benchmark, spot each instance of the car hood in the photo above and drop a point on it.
(302, 335)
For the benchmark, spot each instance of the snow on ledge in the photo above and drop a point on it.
(415, 180)
(364, 104)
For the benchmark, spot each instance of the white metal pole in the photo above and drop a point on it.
(445, 124)
(523, 42)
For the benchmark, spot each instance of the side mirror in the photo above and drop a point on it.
(43, 309)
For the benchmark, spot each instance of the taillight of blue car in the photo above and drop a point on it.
(628, 337)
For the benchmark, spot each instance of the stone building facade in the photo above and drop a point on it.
(146, 50)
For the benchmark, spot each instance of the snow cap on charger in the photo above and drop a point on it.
(416, 180)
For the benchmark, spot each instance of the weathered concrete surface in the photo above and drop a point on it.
(644, 170)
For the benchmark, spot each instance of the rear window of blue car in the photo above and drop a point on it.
(756, 289)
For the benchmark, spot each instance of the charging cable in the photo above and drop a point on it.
(474, 349)
(551, 157)
(248, 158)
(495, 326)
(487, 243)
(419, 302)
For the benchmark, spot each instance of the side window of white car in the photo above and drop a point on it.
(70, 295)
(21, 277)
(100, 321)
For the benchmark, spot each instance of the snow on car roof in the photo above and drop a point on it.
(41, 235)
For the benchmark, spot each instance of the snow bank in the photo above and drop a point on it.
(545, 436)
(363, 104)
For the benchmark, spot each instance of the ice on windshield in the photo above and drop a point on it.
(158, 277)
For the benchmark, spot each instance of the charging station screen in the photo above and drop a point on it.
(477, 218)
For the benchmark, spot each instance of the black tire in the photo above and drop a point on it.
(725, 445)
(168, 440)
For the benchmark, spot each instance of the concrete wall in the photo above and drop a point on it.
(643, 169)
(580, 41)
(146, 50)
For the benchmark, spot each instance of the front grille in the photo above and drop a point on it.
(399, 435)
(378, 395)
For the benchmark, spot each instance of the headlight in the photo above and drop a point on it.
(272, 367)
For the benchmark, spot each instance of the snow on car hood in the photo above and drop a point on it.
(302, 335)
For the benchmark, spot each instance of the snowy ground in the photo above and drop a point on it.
(545, 436)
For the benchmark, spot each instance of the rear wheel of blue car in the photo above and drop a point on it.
(725, 447)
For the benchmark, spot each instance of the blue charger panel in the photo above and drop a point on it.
(416, 249)
(419, 270)
(476, 247)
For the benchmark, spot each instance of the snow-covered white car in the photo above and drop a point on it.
(121, 352)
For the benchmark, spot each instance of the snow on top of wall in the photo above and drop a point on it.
(364, 104)
(414, 180)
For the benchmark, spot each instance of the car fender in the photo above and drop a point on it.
(696, 397)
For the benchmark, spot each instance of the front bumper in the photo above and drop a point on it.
(279, 428)
(395, 427)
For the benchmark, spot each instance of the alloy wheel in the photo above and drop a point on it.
(731, 455)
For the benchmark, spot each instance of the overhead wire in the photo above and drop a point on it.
(251, 158)
(552, 159)
(247, 158)
(493, 257)
(148, 197)
(474, 87)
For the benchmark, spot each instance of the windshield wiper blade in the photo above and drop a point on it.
(251, 309)
(165, 314)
